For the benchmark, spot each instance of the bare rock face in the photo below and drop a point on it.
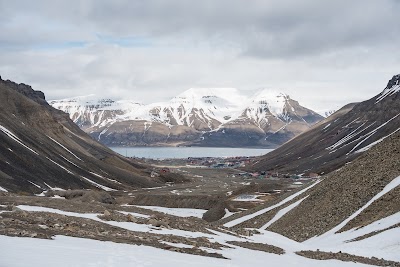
(131, 218)
(341, 137)
(215, 213)
(106, 213)
(203, 117)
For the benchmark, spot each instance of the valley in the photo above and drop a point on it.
(65, 193)
(199, 133)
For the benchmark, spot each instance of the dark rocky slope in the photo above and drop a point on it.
(339, 195)
(343, 192)
(340, 138)
(40, 148)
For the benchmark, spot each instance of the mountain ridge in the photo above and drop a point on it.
(198, 117)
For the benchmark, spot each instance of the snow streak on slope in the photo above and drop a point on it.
(59, 165)
(393, 184)
(282, 212)
(255, 214)
(105, 188)
(64, 148)
(389, 92)
(15, 138)
(376, 142)
(3, 189)
(360, 135)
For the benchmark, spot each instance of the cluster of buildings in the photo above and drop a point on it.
(238, 162)
(212, 162)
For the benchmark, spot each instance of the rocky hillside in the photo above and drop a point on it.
(41, 148)
(358, 195)
(340, 138)
(201, 117)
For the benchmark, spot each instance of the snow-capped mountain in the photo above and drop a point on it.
(196, 117)
(88, 111)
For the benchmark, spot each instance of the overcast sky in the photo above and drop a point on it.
(322, 53)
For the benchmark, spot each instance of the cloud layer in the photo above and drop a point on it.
(323, 53)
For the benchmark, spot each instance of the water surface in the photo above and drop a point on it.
(185, 152)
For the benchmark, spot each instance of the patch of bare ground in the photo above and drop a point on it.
(260, 220)
(46, 225)
(374, 233)
(264, 218)
(320, 255)
(187, 224)
(259, 246)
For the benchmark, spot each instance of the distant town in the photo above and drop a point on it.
(238, 163)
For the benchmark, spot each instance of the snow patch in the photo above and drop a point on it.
(105, 188)
(180, 212)
(3, 189)
(255, 214)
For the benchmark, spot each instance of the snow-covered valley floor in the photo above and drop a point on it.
(130, 235)
(72, 251)
(69, 251)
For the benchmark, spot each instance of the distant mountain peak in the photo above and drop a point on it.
(392, 88)
(191, 114)
(273, 100)
(393, 82)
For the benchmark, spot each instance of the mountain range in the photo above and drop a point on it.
(196, 117)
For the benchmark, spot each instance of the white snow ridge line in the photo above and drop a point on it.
(372, 133)
(255, 214)
(376, 142)
(62, 167)
(393, 184)
(105, 188)
(3, 189)
(282, 212)
(64, 148)
(15, 138)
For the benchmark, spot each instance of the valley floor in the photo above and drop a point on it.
(163, 226)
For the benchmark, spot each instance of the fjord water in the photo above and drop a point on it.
(185, 152)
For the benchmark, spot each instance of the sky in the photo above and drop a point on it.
(322, 53)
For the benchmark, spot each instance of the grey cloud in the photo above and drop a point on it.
(313, 49)
(258, 28)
